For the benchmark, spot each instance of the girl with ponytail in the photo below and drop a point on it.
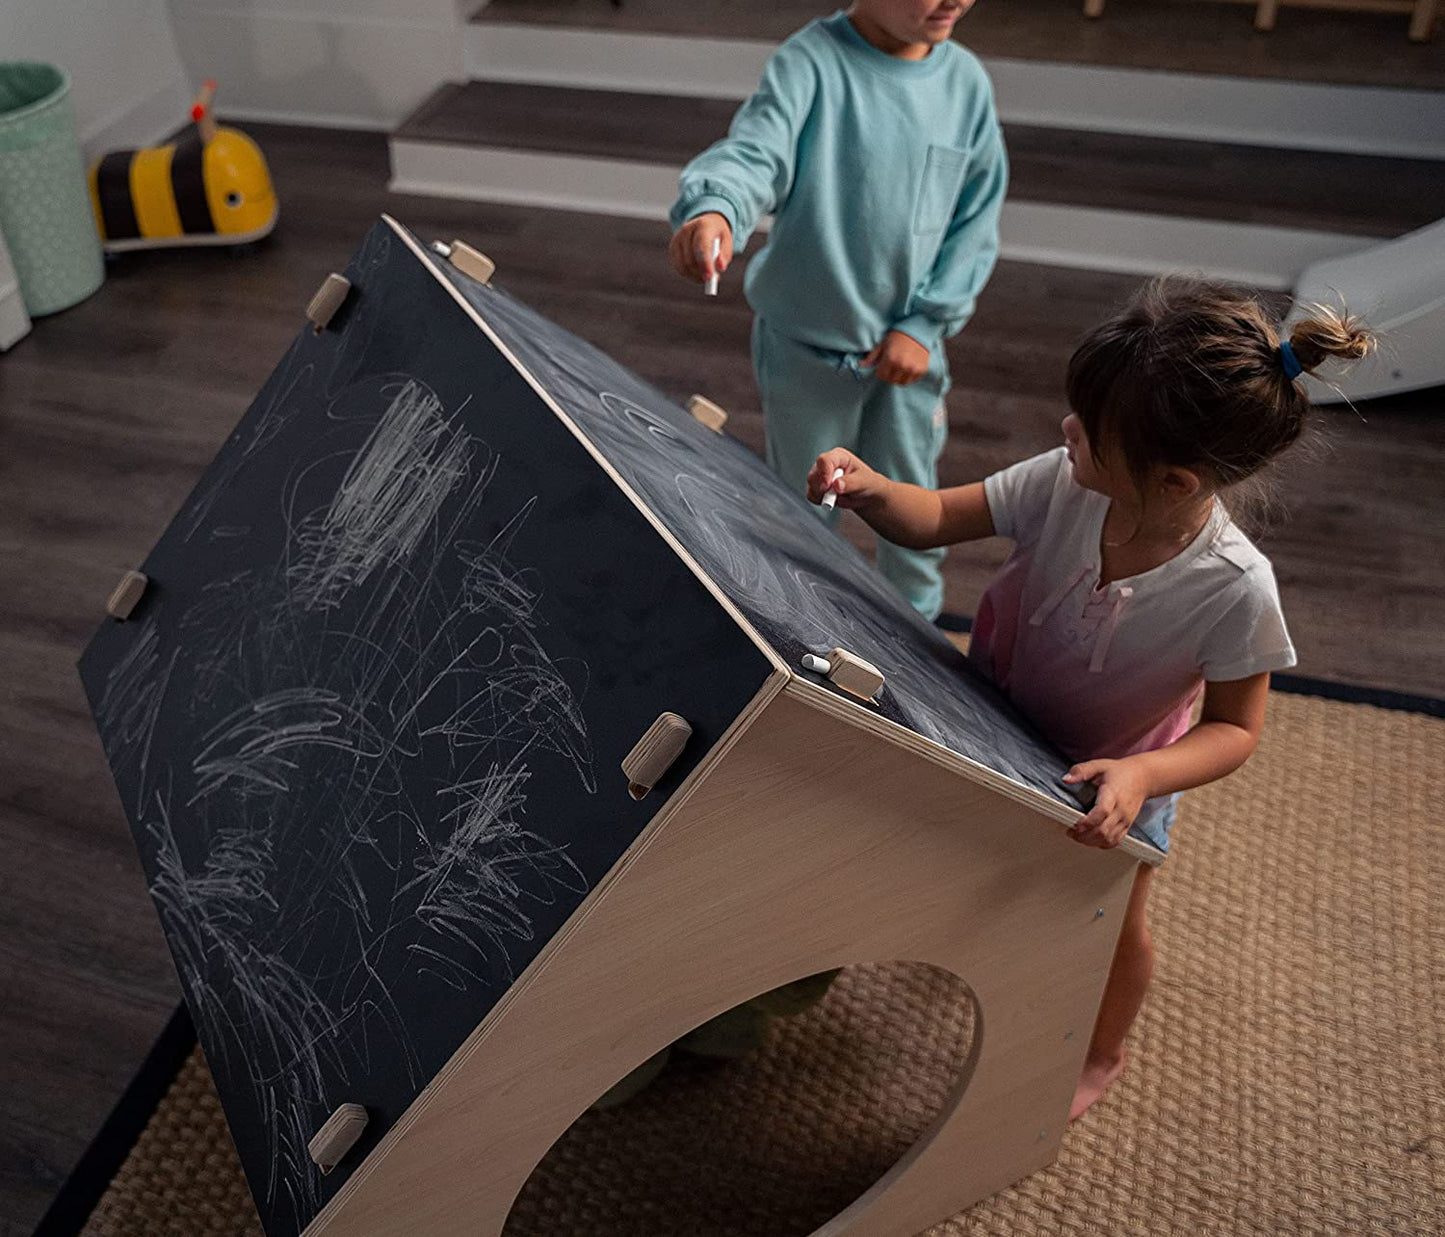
(1131, 593)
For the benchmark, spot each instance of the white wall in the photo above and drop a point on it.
(341, 62)
(127, 78)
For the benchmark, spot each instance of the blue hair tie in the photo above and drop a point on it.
(1292, 368)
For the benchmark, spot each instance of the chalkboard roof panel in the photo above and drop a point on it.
(800, 587)
(368, 717)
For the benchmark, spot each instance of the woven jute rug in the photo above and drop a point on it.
(1287, 1074)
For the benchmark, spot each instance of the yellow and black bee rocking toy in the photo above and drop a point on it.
(209, 187)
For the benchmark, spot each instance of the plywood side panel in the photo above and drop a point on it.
(812, 844)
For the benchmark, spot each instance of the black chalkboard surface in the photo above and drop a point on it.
(801, 586)
(368, 720)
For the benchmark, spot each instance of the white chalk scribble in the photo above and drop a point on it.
(801, 587)
(255, 746)
(350, 754)
(256, 1012)
(386, 502)
(130, 706)
(475, 883)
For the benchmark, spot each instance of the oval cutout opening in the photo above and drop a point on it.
(775, 1143)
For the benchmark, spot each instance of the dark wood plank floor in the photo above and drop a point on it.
(1180, 36)
(1362, 194)
(109, 411)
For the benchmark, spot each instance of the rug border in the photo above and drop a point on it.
(76, 1200)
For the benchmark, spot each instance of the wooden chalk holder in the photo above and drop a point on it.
(656, 752)
(469, 261)
(707, 413)
(854, 675)
(126, 595)
(328, 299)
(329, 1145)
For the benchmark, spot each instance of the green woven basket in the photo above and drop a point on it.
(45, 210)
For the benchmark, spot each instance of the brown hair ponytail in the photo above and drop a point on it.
(1190, 373)
(1329, 332)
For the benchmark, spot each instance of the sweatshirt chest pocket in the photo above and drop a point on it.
(938, 193)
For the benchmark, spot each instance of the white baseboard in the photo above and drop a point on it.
(606, 60)
(1251, 111)
(1124, 241)
(301, 116)
(164, 110)
(518, 177)
(1135, 243)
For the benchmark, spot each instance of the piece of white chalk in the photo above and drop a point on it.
(830, 496)
(818, 665)
(710, 288)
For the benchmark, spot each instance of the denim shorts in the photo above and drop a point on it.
(1155, 820)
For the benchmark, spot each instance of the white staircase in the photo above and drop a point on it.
(1115, 169)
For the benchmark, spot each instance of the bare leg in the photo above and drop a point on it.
(1123, 995)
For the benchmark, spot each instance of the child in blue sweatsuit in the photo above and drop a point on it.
(874, 142)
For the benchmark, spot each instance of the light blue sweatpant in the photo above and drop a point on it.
(814, 399)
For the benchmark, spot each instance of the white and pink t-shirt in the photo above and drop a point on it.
(1110, 672)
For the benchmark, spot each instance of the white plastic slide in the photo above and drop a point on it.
(1399, 289)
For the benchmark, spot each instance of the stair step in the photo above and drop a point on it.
(1309, 46)
(598, 124)
(1356, 194)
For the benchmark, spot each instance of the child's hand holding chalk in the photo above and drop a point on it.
(702, 249)
(840, 478)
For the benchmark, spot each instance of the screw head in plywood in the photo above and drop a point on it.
(329, 1145)
(850, 672)
(471, 261)
(705, 411)
(328, 299)
(126, 595)
(648, 762)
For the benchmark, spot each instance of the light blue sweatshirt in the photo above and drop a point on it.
(885, 177)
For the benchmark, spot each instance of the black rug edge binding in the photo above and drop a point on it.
(92, 1176)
